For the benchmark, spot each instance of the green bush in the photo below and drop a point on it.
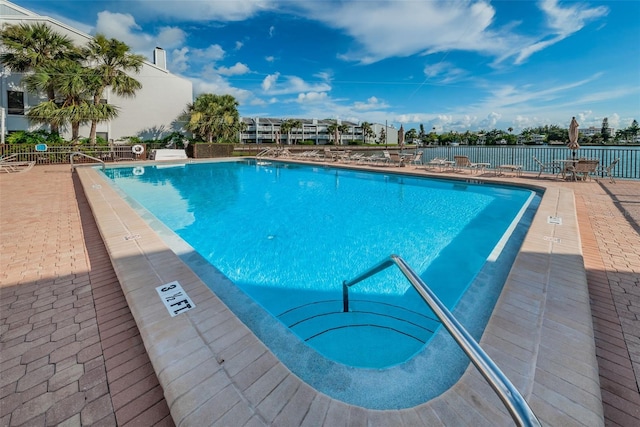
(35, 137)
(175, 138)
(133, 140)
(99, 141)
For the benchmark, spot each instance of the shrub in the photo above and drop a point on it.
(35, 137)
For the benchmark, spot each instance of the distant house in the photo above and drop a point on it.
(535, 138)
(151, 113)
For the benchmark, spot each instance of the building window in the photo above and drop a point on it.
(15, 102)
(103, 135)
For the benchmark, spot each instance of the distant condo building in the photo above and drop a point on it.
(264, 130)
(591, 131)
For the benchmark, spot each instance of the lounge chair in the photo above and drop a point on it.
(464, 162)
(13, 166)
(355, 158)
(555, 168)
(606, 171)
(313, 154)
(368, 159)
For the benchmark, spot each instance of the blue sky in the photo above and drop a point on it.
(453, 64)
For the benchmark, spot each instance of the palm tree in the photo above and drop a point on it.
(110, 61)
(367, 131)
(285, 127)
(74, 86)
(411, 135)
(288, 125)
(33, 47)
(336, 129)
(213, 117)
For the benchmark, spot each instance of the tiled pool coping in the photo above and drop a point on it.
(215, 371)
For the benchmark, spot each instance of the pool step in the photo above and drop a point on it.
(313, 320)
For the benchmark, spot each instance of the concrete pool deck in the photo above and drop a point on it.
(60, 364)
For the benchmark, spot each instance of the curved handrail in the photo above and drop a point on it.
(512, 399)
(79, 153)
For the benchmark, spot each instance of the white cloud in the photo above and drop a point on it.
(205, 10)
(211, 53)
(568, 20)
(272, 30)
(235, 70)
(124, 28)
(239, 45)
(291, 84)
(445, 72)
(490, 121)
(401, 28)
(311, 97)
(372, 104)
(563, 22)
(269, 58)
(218, 85)
(178, 60)
(270, 81)
(169, 37)
(405, 28)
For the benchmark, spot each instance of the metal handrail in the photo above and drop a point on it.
(514, 402)
(78, 153)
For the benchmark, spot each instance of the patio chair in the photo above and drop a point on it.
(464, 162)
(583, 169)
(329, 155)
(392, 158)
(555, 168)
(606, 171)
(441, 163)
(415, 159)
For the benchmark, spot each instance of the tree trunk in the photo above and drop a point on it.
(75, 132)
(52, 96)
(94, 123)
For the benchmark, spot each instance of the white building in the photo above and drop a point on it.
(535, 138)
(591, 131)
(152, 113)
(260, 130)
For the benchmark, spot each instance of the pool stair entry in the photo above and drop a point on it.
(513, 401)
(309, 321)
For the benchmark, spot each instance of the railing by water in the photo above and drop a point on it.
(512, 399)
(627, 167)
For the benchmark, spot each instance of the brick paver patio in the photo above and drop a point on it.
(71, 354)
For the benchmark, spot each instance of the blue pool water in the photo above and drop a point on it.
(289, 235)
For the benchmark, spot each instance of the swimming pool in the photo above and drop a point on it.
(241, 208)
